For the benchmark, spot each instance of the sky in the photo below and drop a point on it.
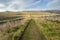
(22, 5)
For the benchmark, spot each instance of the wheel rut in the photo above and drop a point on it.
(32, 32)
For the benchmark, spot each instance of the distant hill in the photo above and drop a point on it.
(53, 11)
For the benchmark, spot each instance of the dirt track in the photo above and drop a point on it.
(32, 33)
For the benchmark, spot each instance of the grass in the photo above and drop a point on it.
(7, 18)
(16, 32)
(50, 29)
(32, 32)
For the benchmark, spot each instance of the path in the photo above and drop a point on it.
(33, 33)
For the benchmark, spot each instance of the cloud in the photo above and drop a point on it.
(54, 4)
(29, 4)
(2, 5)
(5, 1)
(18, 4)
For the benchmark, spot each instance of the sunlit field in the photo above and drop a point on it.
(29, 25)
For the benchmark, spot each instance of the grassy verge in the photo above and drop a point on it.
(16, 32)
(51, 29)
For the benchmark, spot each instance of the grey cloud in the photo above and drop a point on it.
(5, 1)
